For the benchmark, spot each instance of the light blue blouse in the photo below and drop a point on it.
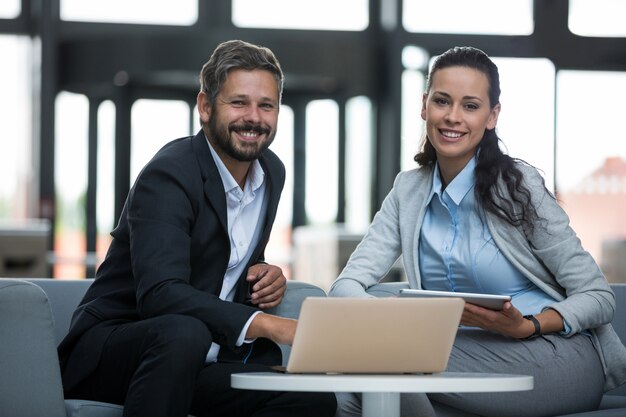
(457, 251)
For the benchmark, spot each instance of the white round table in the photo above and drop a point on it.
(381, 393)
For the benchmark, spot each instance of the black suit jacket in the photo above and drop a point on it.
(169, 255)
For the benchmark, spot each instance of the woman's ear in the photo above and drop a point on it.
(493, 117)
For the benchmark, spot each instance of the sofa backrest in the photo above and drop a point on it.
(64, 296)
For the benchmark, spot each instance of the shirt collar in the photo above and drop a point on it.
(460, 185)
(254, 179)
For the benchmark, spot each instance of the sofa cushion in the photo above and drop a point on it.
(86, 408)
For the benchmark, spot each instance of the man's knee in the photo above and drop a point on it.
(180, 336)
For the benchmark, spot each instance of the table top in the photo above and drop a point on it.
(439, 382)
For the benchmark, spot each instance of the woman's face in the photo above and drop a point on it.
(457, 111)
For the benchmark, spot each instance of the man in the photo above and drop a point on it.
(176, 305)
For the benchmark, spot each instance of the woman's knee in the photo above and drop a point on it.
(348, 404)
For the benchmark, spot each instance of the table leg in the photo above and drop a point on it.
(377, 404)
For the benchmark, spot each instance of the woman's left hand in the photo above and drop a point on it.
(508, 321)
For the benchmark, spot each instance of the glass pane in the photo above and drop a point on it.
(359, 138)
(526, 121)
(10, 9)
(16, 160)
(488, 17)
(158, 12)
(153, 124)
(70, 171)
(105, 195)
(597, 17)
(413, 83)
(527, 86)
(591, 163)
(301, 14)
(322, 121)
(278, 251)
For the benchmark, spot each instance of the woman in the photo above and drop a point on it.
(472, 219)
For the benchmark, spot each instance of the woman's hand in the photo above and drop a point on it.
(508, 321)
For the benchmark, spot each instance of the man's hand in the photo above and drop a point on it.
(267, 285)
(278, 329)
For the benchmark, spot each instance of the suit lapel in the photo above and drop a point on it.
(213, 185)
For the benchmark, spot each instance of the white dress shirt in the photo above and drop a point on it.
(245, 210)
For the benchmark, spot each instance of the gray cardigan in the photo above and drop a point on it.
(551, 257)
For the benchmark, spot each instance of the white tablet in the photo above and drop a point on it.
(491, 301)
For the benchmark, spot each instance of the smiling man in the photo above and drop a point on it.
(177, 305)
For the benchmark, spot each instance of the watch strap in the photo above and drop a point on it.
(535, 323)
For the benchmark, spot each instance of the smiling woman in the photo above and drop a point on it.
(470, 218)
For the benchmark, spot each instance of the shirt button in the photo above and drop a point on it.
(240, 243)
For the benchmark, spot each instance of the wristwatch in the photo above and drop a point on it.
(535, 322)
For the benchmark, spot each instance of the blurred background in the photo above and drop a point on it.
(90, 90)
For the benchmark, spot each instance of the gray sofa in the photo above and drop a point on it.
(35, 314)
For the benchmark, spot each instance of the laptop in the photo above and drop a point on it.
(374, 335)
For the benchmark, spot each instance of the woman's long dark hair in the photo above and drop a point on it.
(491, 163)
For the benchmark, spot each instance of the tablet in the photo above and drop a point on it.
(491, 301)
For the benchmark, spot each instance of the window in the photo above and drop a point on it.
(488, 17)
(322, 121)
(591, 163)
(10, 9)
(155, 12)
(153, 124)
(105, 193)
(526, 121)
(359, 163)
(70, 171)
(413, 84)
(301, 14)
(278, 250)
(16, 159)
(597, 17)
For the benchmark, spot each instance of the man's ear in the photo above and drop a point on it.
(204, 107)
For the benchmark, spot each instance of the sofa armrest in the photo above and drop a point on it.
(30, 378)
(64, 296)
(387, 289)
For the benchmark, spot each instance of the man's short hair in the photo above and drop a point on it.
(237, 54)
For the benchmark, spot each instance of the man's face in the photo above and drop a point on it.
(242, 122)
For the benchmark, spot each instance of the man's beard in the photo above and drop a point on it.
(246, 151)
